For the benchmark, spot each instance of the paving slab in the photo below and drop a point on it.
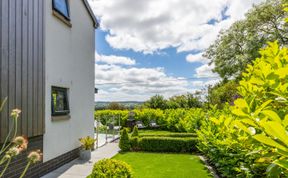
(81, 169)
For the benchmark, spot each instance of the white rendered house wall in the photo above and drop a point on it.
(69, 56)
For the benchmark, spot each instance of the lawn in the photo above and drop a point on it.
(160, 165)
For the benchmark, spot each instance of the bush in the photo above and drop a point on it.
(182, 135)
(135, 132)
(249, 139)
(107, 168)
(134, 142)
(164, 144)
(177, 120)
(124, 143)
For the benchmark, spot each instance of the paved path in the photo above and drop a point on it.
(80, 169)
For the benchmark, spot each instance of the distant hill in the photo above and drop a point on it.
(128, 104)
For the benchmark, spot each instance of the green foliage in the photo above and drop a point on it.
(164, 144)
(179, 120)
(87, 143)
(106, 116)
(183, 120)
(184, 101)
(239, 45)
(264, 106)
(228, 148)
(222, 93)
(135, 132)
(286, 12)
(156, 102)
(124, 143)
(250, 139)
(115, 106)
(149, 115)
(178, 101)
(182, 135)
(111, 168)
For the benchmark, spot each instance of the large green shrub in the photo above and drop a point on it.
(110, 168)
(250, 139)
(263, 110)
(164, 144)
(124, 143)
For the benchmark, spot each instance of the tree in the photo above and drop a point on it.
(222, 93)
(239, 45)
(184, 101)
(115, 106)
(124, 143)
(156, 102)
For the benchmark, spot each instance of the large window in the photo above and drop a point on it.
(60, 103)
(62, 7)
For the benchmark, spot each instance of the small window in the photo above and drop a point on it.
(62, 7)
(59, 101)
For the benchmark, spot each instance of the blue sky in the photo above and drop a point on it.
(175, 64)
(153, 47)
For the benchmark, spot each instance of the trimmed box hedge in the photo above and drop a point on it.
(181, 135)
(163, 144)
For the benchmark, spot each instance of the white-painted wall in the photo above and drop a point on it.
(69, 55)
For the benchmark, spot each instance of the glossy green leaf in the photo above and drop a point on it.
(241, 126)
(241, 103)
(272, 115)
(285, 121)
(249, 122)
(239, 112)
(260, 108)
(276, 130)
(282, 72)
(268, 141)
(282, 163)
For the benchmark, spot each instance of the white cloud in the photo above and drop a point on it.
(206, 71)
(148, 26)
(197, 58)
(118, 83)
(111, 59)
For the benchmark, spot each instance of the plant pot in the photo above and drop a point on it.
(85, 155)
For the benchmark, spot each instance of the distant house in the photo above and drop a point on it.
(47, 71)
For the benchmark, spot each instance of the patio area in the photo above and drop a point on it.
(80, 169)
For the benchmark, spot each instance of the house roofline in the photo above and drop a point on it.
(90, 11)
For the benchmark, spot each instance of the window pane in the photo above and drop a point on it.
(59, 101)
(62, 7)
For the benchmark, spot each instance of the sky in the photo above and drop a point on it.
(149, 47)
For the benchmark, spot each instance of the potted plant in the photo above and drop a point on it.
(87, 144)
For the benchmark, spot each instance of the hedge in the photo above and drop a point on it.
(163, 144)
(182, 135)
(176, 120)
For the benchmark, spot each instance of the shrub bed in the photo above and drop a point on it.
(181, 135)
(163, 144)
(176, 120)
(111, 168)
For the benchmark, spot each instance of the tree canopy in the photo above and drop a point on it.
(239, 45)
